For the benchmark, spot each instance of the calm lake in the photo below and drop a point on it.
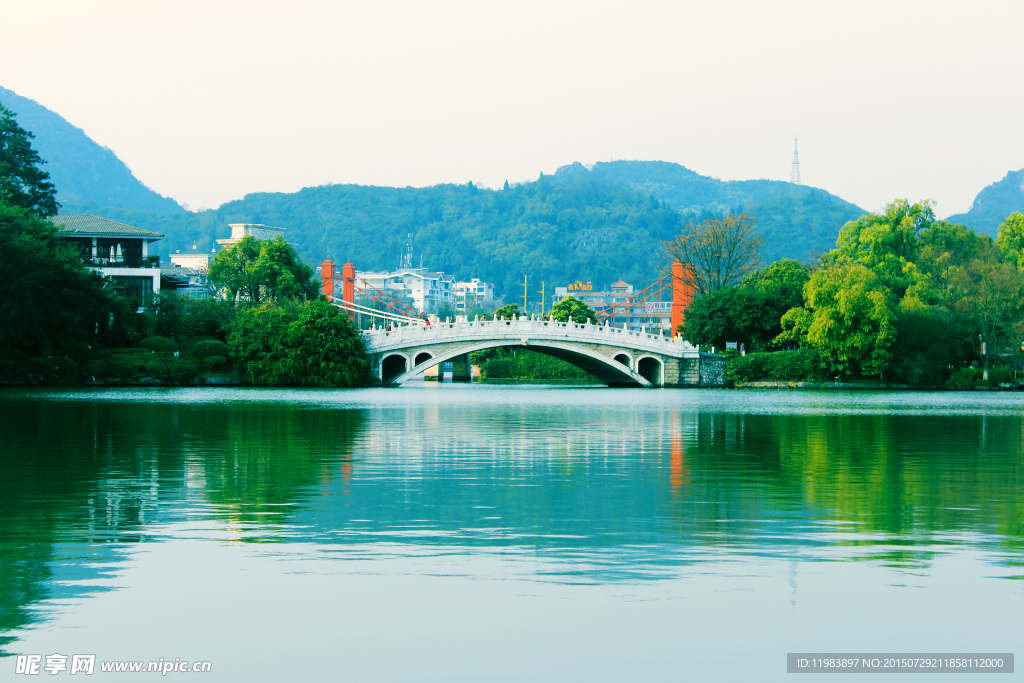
(504, 533)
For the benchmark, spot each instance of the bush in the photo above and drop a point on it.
(205, 349)
(997, 376)
(131, 352)
(118, 369)
(159, 344)
(964, 379)
(172, 371)
(215, 364)
(802, 365)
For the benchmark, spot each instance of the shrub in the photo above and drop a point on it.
(156, 344)
(802, 365)
(118, 369)
(964, 379)
(215, 364)
(205, 349)
(997, 376)
(172, 371)
(131, 352)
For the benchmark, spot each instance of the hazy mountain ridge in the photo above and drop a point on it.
(796, 221)
(598, 223)
(82, 171)
(994, 203)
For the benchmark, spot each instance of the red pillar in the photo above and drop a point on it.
(682, 294)
(348, 285)
(327, 278)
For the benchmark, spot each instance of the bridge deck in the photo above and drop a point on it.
(379, 341)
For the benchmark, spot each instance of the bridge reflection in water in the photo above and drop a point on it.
(616, 356)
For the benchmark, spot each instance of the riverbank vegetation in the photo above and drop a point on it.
(902, 298)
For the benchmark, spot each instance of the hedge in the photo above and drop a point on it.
(802, 365)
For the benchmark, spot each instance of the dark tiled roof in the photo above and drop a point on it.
(84, 224)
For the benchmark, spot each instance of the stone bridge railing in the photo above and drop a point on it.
(407, 336)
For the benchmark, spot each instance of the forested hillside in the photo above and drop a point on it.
(551, 230)
(994, 203)
(796, 221)
(82, 171)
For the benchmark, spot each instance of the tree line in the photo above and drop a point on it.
(903, 297)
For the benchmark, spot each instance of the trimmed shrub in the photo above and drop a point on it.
(159, 344)
(802, 365)
(131, 352)
(172, 371)
(205, 349)
(215, 364)
(118, 369)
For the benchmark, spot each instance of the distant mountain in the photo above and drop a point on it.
(82, 171)
(551, 231)
(796, 221)
(574, 225)
(994, 204)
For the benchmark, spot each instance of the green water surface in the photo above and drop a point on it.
(501, 533)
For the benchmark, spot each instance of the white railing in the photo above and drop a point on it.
(405, 336)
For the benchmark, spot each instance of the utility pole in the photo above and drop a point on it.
(543, 300)
(524, 294)
(795, 176)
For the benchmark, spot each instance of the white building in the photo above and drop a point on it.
(257, 231)
(115, 250)
(193, 258)
(469, 295)
(430, 292)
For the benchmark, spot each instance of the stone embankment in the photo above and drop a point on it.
(877, 386)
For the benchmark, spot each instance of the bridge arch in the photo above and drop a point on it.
(624, 358)
(604, 368)
(652, 369)
(422, 357)
(392, 365)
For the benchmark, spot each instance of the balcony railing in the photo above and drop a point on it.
(124, 262)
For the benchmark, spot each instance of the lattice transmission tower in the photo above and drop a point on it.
(795, 177)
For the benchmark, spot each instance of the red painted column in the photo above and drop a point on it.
(682, 294)
(348, 285)
(327, 278)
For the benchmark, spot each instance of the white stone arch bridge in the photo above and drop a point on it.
(616, 356)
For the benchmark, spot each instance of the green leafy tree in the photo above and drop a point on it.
(260, 270)
(507, 312)
(48, 300)
(888, 243)
(750, 313)
(737, 314)
(571, 308)
(308, 345)
(848, 317)
(783, 280)
(1011, 239)
(22, 182)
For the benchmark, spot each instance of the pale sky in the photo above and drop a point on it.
(207, 101)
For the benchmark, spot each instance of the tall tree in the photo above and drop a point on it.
(22, 182)
(48, 300)
(1011, 239)
(260, 270)
(717, 252)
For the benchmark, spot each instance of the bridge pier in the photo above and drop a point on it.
(462, 371)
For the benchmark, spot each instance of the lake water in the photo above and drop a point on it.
(483, 533)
